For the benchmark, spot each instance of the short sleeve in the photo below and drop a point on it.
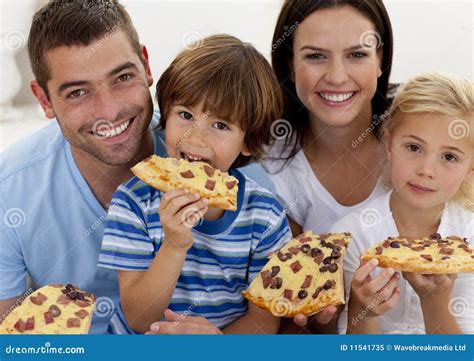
(126, 244)
(12, 265)
(275, 235)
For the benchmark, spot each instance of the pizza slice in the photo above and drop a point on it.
(54, 309)
(427, 255)
(166, 174)
(304, 276)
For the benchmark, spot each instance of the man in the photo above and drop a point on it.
(92, 76)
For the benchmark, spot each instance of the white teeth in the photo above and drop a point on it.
(115, 131)
(336, 97)
(193, 159)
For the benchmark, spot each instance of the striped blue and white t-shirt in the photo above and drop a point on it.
(227, 254)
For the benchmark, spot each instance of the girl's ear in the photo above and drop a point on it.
(388, 144)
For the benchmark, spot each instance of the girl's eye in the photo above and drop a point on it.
(76, 93)
(358, 55)
(450, 157)
(413, 148)
(314, 56)
(124, 77)
(185, 115)
(221, 126)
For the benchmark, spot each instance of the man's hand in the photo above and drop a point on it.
(181, 324)
(179, 212)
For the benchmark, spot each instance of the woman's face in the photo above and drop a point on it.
(336, 64)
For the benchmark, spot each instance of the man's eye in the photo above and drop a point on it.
(450, 157)
(221, 126)
(76, 93)
(124, 77)
(185, 115)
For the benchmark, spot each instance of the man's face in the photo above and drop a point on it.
(99, 95)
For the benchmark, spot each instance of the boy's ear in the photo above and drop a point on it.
(246, 151)
(388, 144)
(40, 94)
(149, 77)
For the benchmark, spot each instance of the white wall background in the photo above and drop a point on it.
(429, 35)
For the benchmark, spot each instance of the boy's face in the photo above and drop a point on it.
(196, 135)
(99, 95)
(428, 162)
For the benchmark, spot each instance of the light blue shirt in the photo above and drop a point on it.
(52, 222)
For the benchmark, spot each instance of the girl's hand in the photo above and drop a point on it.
(430, 286)
(374, 295)
(179, 212)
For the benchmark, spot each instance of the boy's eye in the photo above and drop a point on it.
(314, 56)
(221, 126)
(76, 93)
(413, 148)
(124, 77)
(450, 157)
(185, 115)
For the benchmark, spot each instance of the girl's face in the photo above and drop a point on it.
(428, 163)
(336, 64)
(196, 135)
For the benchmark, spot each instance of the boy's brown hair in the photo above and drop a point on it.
(234, 82)
(75, 22)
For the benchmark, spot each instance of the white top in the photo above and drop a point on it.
(306, 200)
(373, 224)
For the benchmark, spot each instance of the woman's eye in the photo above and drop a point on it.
(413, 148)
(450, 157)
(76, 93)
(124, 77)
(185, 115)
(221, 126)
(358, 55)
(314, 56)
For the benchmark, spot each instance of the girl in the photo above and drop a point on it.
(429, 145)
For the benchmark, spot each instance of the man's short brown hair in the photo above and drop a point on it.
(75, 22)
(235, 83)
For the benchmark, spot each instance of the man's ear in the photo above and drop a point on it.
(388, 144)
(40, 94)
(149, 77)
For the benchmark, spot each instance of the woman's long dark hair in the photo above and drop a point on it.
(291, 16)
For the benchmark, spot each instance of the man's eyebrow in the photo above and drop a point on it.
(121, 67)
(70, 84)
(316, 48)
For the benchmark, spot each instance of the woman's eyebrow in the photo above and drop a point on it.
(316, 48)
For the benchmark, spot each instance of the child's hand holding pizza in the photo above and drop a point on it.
(431, 286)
(179, 211)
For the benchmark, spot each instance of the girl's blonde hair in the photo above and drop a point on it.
(438, 93)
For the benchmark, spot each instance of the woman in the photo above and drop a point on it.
(333, 60)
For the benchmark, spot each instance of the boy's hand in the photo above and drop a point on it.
(430, 286)
(323, 317)
(374, 295)
(179, 212)
(181, 324)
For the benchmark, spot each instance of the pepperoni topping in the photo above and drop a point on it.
(82, 303)
(339, 242)
(427, 257)
(55, 311)
(209, 170)
(386, 244)
(288, 294)
(378, 250)
(48, 318)
(210, 184)
(73, 322)
(418, 248)
(38, 299)
(296, 266)
(276, 283)
(445, 258)
(63, 300)
(188, 174)
(302, 294)
(30, 323)
(230, 184)
(333, 267)
(307, 281)
(305, 239)
(20, 325)
(305, 248)
(57, 285)
(81, 314)
(275, 270)
(283, 256)
(266, 278)
(447, 251)
(294, 250)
